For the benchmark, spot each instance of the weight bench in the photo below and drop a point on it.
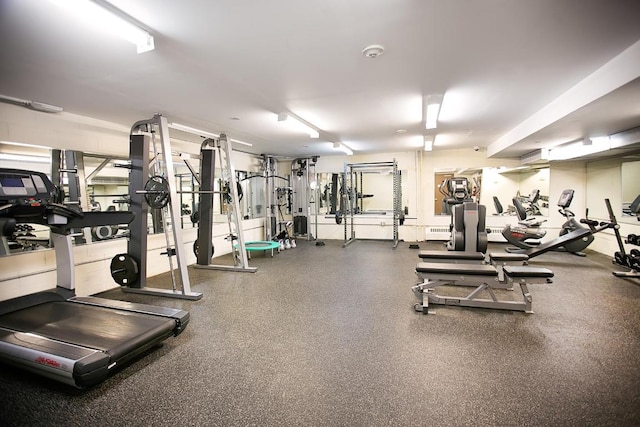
(456, 257)
(483, 277)
(497, 259)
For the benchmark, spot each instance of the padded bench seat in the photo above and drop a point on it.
(452, 255)
(506, 256)
(447, 268)
(522, 271)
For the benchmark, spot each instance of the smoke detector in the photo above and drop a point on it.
(373, 51)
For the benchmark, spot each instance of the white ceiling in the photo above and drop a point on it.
(232, 65)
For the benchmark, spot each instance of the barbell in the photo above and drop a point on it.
(157, 192)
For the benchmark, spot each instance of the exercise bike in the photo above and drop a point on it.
(576, 247)
(574, 239)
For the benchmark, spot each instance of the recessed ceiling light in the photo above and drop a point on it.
(234, 118)
(373, 51)
(401, 131)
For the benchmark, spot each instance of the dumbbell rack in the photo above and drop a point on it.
(629, 260)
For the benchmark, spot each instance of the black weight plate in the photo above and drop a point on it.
(124, 269)
(196, 248)
(158, 195)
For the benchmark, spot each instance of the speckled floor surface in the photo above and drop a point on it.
(328, 336)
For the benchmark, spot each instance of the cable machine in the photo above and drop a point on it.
(270, 171)
(279, 195)
(302, 171)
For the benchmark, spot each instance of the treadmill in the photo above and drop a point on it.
(78, 341)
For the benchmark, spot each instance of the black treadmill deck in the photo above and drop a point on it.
(112, 331)
(93, 339)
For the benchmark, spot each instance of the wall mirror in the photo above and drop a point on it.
(251, 189)
(372, 190)
(103, 185)
(630, 178)
(454, 186)
(500, 185)
(328, 188)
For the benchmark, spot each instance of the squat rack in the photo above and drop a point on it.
(349, 196)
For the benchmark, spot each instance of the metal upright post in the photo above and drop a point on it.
(205, 205)
(349, 206)
(269, 172)
(397, 202)
(174, 209)
(74, 168)
(138, 174)
(235, 226)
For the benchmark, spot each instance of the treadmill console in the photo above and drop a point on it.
(16, 185)
(24, 193)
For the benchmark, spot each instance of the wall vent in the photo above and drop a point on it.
(443, 233)
(439, 230)
(438, 233)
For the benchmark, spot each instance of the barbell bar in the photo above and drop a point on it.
(157, 192)
(181, 192)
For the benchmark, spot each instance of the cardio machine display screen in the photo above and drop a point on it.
(565, 199)
(11, 181)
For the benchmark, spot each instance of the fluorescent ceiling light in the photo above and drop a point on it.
(580, 148)
(110, 19)
(34, 105)
(203, 133)
(297, 125)
(428, 142)
(431, 110)
(340, 146)
(22, 144)
(191, 130)
(24, 158)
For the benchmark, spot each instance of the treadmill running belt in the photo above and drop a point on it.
(118, 333)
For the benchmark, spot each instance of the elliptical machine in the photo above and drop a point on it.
(468, 228)
(527, 233)
(455, 192)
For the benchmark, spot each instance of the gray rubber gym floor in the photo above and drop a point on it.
(322, 335)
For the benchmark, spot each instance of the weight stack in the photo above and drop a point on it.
(300, 225)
